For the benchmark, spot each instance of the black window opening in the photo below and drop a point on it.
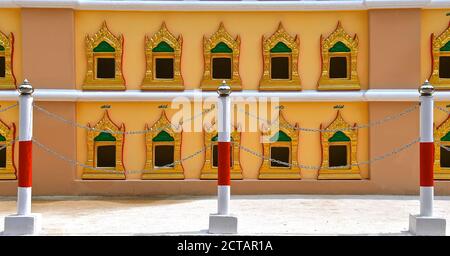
(2, 66)
(3, 157)
(106, 156)
(338, 156)
(164, 68)
(445, 158)
(444, 67)
(280, 154)
(106, 68)
(221, 68)
(215, 156)
(279, 68)
(338, 67)
(164, 156)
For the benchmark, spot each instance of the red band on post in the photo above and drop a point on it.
(223, 173)
(25, 163)
(426, 164)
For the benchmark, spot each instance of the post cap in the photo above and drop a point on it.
(224, 89)
(25, 87)
(426, 89)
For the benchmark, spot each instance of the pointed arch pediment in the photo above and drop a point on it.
(339, 124)
(104, 35)
(440, 51)
(340, 35)
(7, 51)
(106, 124)
(163, 35)
(280, 124)
(281, 36)
(222, 36)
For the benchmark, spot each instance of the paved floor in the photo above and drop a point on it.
(258, 215)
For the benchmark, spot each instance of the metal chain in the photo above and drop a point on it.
(75, 162)
(62, 119)
(375, 159)
(9, 107)
(362, 126)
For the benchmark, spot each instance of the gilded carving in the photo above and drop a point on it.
(151, 82)
(104, 127)
(440, 132)
(350, 141)
(293, 43)
(267, 170)
(439, 49)
(173, 135)
(8, 81)
(92, 81)
(340, 37)
(7, 135)
(221, 36)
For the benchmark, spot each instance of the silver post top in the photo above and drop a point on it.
(224, 89)
(25, 87)
(426, 89)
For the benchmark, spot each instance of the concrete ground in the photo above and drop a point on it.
(258, 215)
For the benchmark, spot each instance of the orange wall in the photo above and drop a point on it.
(194, 25)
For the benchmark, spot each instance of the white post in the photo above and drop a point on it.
(223, 222)
(425, 223)
(24, 222)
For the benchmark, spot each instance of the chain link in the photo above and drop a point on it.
(312, 167)
(72, 123)
(9, 107)
(75, 162)
(362, 126)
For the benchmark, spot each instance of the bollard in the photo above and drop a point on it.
(425, 223)
(24, 222)
(223, 222)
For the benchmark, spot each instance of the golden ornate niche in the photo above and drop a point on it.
(7, 79)
(104, 50)
(162, 139)
(278, 47)
(209, 171)
(7, 167)
(441, 144)
(344, 141)
(440, 48)
(284, 140)
(105, 137)
(337, 49)
(221, 46)
(163, 47)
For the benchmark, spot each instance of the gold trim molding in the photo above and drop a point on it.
(436, 44)
(106, 173)
(9, 81)
(208, 171)
(349, 83)
(221, 35)
(267, 172)
(91, 82)
(350, 173)
(441, 173)
(9, 171)
(167, 173)
(150, 82)
(293, 83)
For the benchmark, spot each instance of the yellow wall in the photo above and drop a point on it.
(10, 22)
(250, 26)
(308, 115)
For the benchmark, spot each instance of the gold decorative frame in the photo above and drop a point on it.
(117, 173)
(91, 82)
(267, 172)
(350, 173)
(157, 173)
(221, 35)
(349, 83)
(436, 44)
(150, 82)
(441, 173)
(9, 132)
(208, 171)
(267, 83)
(9, 81)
